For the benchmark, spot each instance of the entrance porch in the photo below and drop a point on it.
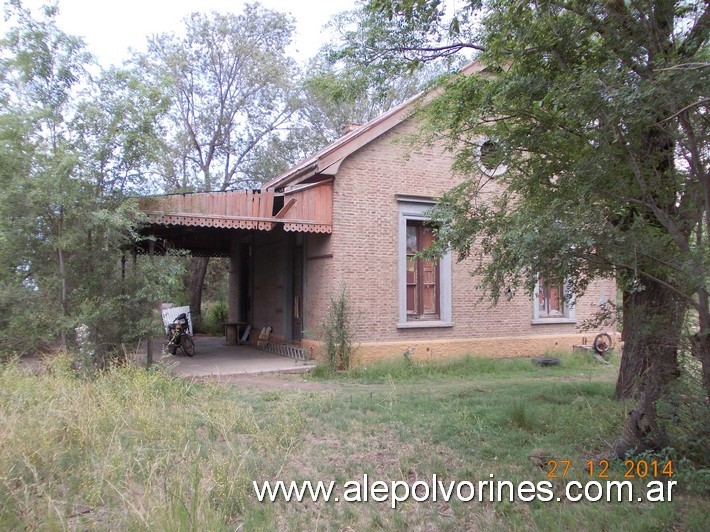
(215, 359)
(264, 235)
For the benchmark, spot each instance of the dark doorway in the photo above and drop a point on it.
(297, 318)
(245, 288)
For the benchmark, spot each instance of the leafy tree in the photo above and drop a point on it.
(42, 66)
(229, 83)
(62, 222)
(599, 111)
(386, 38)
(119, 130)
(339, 91)
(348, 84)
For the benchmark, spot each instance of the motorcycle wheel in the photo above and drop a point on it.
(602, 343)
(187, 345)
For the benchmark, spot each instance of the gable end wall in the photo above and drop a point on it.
(364, 248)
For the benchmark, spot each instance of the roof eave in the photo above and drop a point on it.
(328, 160)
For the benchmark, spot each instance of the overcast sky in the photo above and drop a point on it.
(111, 27)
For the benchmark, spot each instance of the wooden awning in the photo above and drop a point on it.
(305, 209)
(308, 209)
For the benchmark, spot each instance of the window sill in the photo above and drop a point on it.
(550, 321)
(424, 324)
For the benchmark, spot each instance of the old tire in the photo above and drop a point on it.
(545, 362)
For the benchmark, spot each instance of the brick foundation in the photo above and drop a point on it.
(437, 350)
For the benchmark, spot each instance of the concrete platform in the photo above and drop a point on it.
(214, 358)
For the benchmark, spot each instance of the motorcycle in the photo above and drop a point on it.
(180, 337)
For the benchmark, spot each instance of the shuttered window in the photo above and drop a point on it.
(551, 303)
(422, 274)
(550, 299)
(424, 287)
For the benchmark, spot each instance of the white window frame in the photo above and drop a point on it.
(415, 208)
(568, 309)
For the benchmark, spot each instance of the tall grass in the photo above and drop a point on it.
(137, 450)
(521, 416)
(405, 368)
(337, 331)
(130, 449)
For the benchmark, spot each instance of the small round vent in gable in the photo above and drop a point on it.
(490, 159)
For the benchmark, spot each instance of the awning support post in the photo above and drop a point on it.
(234, 295)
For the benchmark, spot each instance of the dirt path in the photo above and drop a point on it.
(276, 381)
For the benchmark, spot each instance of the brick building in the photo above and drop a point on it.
(350, 216)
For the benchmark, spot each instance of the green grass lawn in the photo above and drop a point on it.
(143, 450)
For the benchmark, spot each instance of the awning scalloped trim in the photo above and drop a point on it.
(236, 223)
(308, 228)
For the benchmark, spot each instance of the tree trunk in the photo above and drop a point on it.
(149, 352)
(63, 277)
(193, 283)
(632, 366)
(700, 342)
(65, 297)
(653, 320)
(701, 349)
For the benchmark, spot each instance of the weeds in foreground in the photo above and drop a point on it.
(521, 416)
(408, 368)
(141, 450)
(337, 331)
(129, 449)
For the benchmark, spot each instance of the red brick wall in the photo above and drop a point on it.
(269, 281)
(320, 281)
(364, 247)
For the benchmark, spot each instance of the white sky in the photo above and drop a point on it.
(111, 27)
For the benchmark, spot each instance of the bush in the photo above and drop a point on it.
(216, 314)
(338, 333)
(685, 414)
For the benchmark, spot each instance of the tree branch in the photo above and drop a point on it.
(686, 108)
(697, 36)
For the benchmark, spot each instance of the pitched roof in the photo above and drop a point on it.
(327, 161)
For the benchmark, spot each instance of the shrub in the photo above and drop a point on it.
(217, 313)
(685, 413)
(338, 333)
